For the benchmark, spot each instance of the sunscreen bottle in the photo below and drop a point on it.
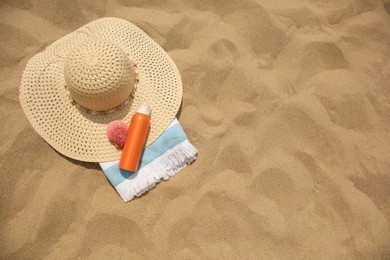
(135, 139)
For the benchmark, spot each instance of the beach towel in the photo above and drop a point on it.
(166, 156)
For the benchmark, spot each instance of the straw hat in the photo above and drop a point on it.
(101, 72)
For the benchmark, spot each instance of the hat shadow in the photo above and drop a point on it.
(88, 165)
(178, 114)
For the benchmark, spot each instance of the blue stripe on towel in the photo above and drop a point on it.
(173, 136)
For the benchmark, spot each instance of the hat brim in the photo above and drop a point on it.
(79, 134)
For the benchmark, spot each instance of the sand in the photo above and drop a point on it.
(288, 103)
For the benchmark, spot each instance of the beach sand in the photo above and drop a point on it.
(288, 103)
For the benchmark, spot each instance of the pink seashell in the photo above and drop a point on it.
(116, 133)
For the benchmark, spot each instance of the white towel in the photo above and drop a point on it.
(166, 156)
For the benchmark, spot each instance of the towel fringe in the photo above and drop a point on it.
(162, 168)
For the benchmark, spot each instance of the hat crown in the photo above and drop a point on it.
(99, 75)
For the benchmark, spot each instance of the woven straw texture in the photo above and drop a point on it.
(96, 68)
